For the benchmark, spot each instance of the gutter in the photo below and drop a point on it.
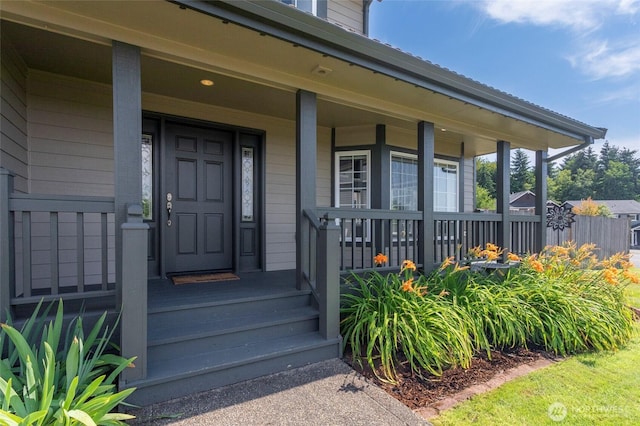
(300, 28)
(365, 15)
(588, 141)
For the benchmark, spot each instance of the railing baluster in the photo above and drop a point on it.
(27, 284)
(104, 247)
(54, 249)
(80, 250)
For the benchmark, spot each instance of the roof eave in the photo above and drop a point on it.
(290, 24)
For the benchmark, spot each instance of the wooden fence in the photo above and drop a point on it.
(608, 234)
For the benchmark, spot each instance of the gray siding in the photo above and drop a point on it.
(468, 169)
(347, 13)
(13, 127)
(71, 136)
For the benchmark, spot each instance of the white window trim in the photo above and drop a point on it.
(436, 161)
(336, 162)
(451, 163)
(336, 194)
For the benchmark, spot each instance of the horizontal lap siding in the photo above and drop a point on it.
(347, 13)
(280, 160)
(71, 136)
(468, 184)
(13, 116)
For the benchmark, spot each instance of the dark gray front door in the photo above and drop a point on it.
(198, 182)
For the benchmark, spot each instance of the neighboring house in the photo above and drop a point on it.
(619, 208)
(142, 140)
(523, 202)
(635, 233)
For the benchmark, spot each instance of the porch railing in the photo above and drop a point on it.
(57, 247)
(456, 233)
(364, 233)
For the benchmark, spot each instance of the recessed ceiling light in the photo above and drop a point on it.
(206, 82)
(443, 129)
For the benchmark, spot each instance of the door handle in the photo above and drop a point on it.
(169, 208)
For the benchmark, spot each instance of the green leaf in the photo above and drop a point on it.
(9, 419)
(81, 416)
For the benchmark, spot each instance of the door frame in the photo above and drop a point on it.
(243, 137)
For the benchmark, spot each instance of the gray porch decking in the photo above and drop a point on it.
(207, 335)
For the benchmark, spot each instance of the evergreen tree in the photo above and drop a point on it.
(522, 177)
(486, 172)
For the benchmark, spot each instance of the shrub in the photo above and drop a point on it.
(562, 300)
(391, 318)
(47, 378)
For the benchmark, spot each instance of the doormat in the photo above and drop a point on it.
(203, 278)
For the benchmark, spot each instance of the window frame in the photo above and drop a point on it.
(437, 161)
(366, 231)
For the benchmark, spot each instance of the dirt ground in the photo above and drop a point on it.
(419, 392)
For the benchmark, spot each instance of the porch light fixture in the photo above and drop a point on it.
(320, 70)
(206, 82)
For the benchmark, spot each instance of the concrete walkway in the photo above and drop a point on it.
(326, 393)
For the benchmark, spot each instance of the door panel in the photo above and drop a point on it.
(199, 178)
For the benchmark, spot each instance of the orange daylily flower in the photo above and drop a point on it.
(407, 285)
(631, 276)
(513, 257)
(611, 276)
(448, 261)
(408, 265)
(380, 258)
(537, 266)
(492, 247)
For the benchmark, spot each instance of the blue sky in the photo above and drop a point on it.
(579, 58)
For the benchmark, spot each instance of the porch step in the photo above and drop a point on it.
(212, 341)
(195, 372)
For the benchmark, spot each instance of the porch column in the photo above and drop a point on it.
(503, 190)
(541, 199)
(6, 244)
(133, 333)
(131, 247)
(127, 131)
(381, 183)
(426, 153)
(306, 163)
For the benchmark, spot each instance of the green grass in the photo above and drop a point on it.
(597, 388)
(633, 291)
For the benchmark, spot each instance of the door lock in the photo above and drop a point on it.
(169, 207)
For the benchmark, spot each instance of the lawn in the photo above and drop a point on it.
(598, 388)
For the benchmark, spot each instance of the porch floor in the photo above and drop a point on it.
(163, 294)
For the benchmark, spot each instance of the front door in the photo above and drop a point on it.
(198, 198)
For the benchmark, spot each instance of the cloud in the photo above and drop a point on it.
(604, 59)
(546, 13)
(597, 55)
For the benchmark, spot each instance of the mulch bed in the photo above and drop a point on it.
(418, 392)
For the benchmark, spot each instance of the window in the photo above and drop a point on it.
(310, 6)
(445, 186)
(352, 190)
(147, 176)
(404, 181)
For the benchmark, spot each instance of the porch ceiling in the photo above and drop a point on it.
(252, 71)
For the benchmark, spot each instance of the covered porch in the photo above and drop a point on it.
(83, 218)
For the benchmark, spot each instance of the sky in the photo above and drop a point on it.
(580, 58)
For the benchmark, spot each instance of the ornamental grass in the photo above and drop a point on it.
(562, 300)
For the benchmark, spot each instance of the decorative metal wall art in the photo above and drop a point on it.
(559, 216)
